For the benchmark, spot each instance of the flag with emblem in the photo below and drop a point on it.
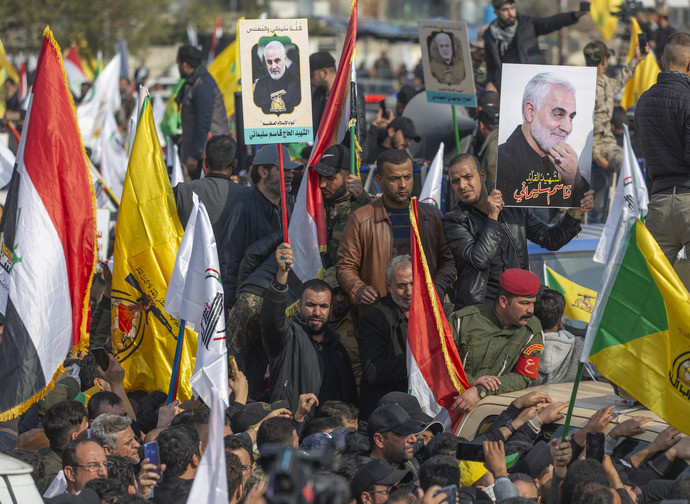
(434, 368)
(307, 231)
(195, 295)
(579, 301)
(602, 14)
(225, 69)
(645, 73)
(148, 235)
(638, 335)
(48, 242)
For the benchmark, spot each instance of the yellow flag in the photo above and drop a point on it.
(7, 65)
(645, 73)
(600, 10)
(146, 242)
(225, 69)
(579, 301)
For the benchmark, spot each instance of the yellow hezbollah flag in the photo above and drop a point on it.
(579, 301)
(642, 330)
(600, 10)
(645, 73)
(146, 242)
(7, 65)
(225, 69)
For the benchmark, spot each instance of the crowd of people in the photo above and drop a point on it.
(320, 409)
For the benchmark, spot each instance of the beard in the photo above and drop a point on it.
(316, 325)
(277, 73)
(543, 136)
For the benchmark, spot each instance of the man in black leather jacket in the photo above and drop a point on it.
(487, 239)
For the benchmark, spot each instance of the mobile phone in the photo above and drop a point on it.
(451, 492)
(470, 451)
(595, 446)
(382, 104)
(584, 6)
(101, 357)
(151, 453)
(642, 42)
(231, 368)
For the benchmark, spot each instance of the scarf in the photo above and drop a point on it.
(504, 35)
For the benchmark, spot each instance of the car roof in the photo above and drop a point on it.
(591, 397)
(586, 240)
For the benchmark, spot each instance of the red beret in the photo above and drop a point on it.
(519, 282)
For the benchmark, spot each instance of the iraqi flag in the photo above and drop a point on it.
(48, 242)
(434, 368)
(307, 231)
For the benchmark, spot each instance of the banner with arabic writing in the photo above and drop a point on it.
(276, 93)
(545, 135)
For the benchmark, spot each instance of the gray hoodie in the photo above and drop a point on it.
(560, 357)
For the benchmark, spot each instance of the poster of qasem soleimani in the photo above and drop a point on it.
(545, 135)
(446, 62)
(276, 97)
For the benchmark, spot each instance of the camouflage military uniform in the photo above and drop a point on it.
(603, 142)
(337, 213)
(243, 331)
(479, 70)
(488, 156)
(452, 73)
(486, 348)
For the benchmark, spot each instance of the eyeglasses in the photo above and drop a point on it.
(92, 468)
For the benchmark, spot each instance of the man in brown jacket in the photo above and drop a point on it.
(379, 231)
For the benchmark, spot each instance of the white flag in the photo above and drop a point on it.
(103, 99)
(210, 482)
(631, 200)
(431, 192)
(173, 159)
(195, 295)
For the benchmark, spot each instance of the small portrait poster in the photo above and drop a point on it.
(276, 96)
(545, 135)
(446, 61)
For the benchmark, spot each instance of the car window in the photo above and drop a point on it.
(484, 425)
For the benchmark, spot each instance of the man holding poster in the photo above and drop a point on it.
(536, 165)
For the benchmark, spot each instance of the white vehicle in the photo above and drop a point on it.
(16, 484)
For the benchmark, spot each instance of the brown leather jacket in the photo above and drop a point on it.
(366, 247)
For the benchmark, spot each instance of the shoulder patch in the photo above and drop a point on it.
(532, 349)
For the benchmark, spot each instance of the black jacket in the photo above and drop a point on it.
(172, 490)
(382, 342)
(259, 267)
(251, 219)
(662, 123)
(528, 30)
(218, 194)
(474, 239)
(296, 366)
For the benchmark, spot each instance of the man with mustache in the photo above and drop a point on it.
(536, 167)
(379, 231)
(382, 338)
(500, 343)
(278, 92)
(305, 354)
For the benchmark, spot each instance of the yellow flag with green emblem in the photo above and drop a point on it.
(579, 301)
(601, 12)
(147, 238)
(640, 330)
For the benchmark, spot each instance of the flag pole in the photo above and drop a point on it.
(353, 117)
(573, 396)
(175, 375)
(283, 199)
(455, 128)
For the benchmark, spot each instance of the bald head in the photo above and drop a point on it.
(677, 53)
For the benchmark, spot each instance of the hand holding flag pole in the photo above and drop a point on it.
(283, 196)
